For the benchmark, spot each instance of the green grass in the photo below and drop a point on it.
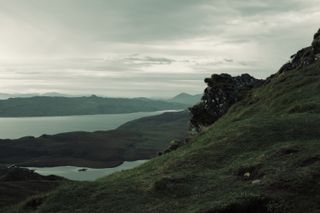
(273, 134)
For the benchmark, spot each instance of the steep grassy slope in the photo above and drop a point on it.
(262, 156)
(62, 106)
(139, 139)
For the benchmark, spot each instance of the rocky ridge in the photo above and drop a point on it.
(224, 90)
(304, 56)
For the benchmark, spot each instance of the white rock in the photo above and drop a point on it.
(256, 181)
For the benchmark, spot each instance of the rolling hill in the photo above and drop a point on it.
(139, 139)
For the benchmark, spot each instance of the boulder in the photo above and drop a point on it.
(221, 93)
(256, 181)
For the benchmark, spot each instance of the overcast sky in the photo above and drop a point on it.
(148, 48)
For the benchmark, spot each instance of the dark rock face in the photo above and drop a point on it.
(316, 43)
(304, 56)
(222, 92)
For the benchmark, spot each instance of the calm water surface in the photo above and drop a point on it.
(12, 128)
(73, 173)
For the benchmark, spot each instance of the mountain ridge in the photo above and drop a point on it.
(92, 105)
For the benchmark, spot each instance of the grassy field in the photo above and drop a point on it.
(262, 156)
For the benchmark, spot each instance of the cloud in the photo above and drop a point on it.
(121, 46)
(148, 60)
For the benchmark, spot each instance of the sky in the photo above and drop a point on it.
(150, 48)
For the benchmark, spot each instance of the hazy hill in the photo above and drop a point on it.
(185, 98)
(62, 106)
(29, 95)
(262, 156)
(139, 139)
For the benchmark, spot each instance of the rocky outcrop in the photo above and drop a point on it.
(316, 42)
(222, 92)
(175, 144)
(304, 56)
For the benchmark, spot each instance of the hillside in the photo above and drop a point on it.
(18, 184)
(262, 156)
(63, 106)
(139, 139)
(187, 99)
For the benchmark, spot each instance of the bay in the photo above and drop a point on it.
(13, 128)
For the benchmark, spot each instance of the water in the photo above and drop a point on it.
(73, 173)
(12, 128)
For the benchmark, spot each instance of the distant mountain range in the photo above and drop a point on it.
(185, 98)
(28, 95)
(64, 106)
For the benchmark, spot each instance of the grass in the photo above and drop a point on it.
(17, 184)
(262, 156)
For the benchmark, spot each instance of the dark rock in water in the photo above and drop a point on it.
(222, 92)
(304, 56)
(82, 170)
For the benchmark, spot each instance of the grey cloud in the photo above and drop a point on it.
(99, 44)
(138, 20)
(148, 60)
(144, 20)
